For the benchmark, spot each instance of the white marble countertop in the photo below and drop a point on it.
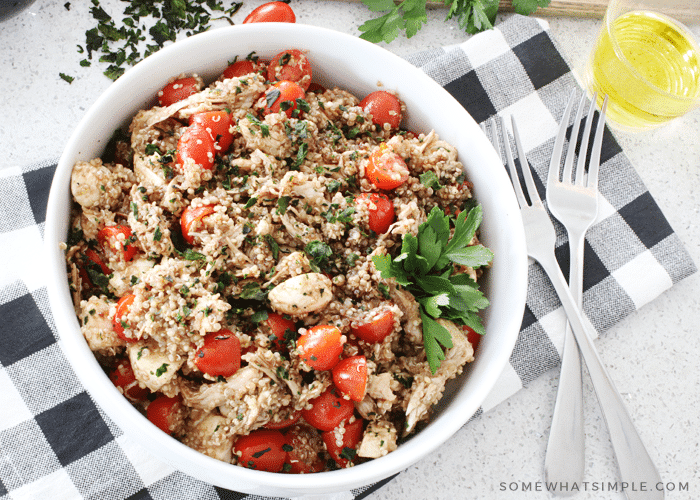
(652, 355)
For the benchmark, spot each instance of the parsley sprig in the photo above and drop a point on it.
(426, 268)
(473, 16)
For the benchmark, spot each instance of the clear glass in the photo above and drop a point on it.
(647, 61)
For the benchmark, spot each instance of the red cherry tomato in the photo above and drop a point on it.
(472, 336)
(344, 452)
(192, 216)
(376, 329)
(279, 328)
(110, 238)
(316, 88)
(178, 90)
(218, 124)
(302, 457)
(386, 169)
(271, 12)
(350, 377)
(286, 101)
(165, 413)
(321, 346)
(220, 354)
(384, 107)
(381, 211)
(117, 322)
(262, 449)
(328, 410)
(196, 143)
(123, 377)
(243, 67)
(93, 257)
(292, 65)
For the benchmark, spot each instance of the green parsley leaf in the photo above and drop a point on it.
(426, 268)
(67, 78)
(430, 179)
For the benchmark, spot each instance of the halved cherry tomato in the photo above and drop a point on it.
(377, 329)
(288, 421)
(165, 413)
(321, 346)
(191, 216)
(302, 457)
(316, 88)
(344, 452)
(381, 211)
(328, 410)
(472, 336)
(384, 106)
(220, 355)
(350, 377)
(262, 449)
(123, 377)
(196, 143)
(120, 324)
(292, 65)
(279, 328)
(282, 96)
(110, 237)
(386, 169)
(93, 257)
(218, 124)
(271, 12)
(178, 90)
(244, 67)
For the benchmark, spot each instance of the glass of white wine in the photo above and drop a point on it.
(647, 61)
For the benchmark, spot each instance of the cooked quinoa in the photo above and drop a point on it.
(285, 232)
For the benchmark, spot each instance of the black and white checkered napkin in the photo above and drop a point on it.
(55, 443)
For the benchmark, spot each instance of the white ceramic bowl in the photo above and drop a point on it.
(358, 66)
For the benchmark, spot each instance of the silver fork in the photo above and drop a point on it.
(635, 464)
(575, 205)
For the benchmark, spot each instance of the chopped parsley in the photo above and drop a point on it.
(144, 27)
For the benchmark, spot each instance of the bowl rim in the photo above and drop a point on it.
(184, 458)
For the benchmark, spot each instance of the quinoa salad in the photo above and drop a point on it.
(276, 273)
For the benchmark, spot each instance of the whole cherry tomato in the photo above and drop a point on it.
(377, 328)
(350, 377)
(381, 211)
(218, 124)
(119, 324)
(344, 453)
(271, 12)
(384, 106)
(165, 413)
(473, 337)
(196, 143)
(117, 239)
(282, 96)
(220, 355)
(262, 449)
(292, 65)
(178, 90)
(191, 217)
(321, 346)
(328, 410)
(386, 169)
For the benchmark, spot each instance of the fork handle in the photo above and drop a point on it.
(564, 460)
(636, 467)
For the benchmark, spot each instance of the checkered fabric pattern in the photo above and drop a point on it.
(56, 443)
